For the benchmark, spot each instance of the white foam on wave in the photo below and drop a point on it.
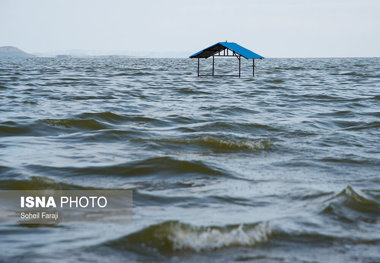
(209, 238)
(220, 144)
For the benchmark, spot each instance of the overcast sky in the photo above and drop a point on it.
(272, 28)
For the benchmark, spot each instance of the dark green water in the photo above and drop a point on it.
(284, 167)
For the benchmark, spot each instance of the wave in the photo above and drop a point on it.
(49, 127)
(12, 128)
(119, 74)
(82, 124)
(7, 172)
(230, 110)
(294, 68)
(349, 205)
(38, 183)
(238, 127)
(103, 116)
(363, 126)
(275, 81)
(351, 159)
(352, 74)
(162, 166)
(71, 79)
(324, 97)
(30, 102)
(188, 91)
(114, 118)
(99, 97)
(109, 135)
(172, 236)
(339, 113)
(100, 120)
(221, 145)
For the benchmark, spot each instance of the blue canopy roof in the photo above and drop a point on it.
(212, 50)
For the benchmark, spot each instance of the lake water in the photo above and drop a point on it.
(282, 167)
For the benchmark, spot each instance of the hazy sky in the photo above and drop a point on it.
(272, 28)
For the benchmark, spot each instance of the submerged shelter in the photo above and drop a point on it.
(226, 49)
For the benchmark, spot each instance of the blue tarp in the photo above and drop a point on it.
(212, 50)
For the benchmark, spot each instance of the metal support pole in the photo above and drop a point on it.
(253, 67)
(198, 67)
(213, 65)
(239, 66)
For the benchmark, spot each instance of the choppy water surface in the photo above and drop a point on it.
(283, 167)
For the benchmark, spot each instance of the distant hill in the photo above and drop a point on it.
(13, 52)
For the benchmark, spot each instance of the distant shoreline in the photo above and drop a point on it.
(14, 52)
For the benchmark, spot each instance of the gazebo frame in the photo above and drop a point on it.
(226, 49)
